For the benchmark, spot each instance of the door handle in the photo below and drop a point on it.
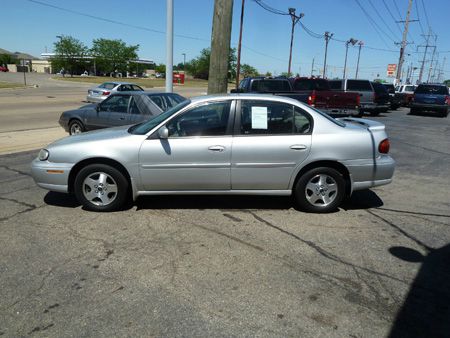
(217, 148)
(298, 147)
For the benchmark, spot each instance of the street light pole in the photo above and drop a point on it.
(184, 61)
(353, 42)
(169, 47)
(360, 43)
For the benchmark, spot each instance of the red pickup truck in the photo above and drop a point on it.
(322, 97)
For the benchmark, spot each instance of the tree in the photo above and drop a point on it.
(199, 67)
(268, 74)
(69, 54)
(161, 68)
(447, 83)
(247, 70)
(113, 56)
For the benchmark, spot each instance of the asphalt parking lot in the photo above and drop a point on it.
(235, 266)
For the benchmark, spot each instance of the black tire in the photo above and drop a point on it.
(114, 179)
(76, 125)
(413, 111)
(444, 113)
(305, 197)
(374, 113)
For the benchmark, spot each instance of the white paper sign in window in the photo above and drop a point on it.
(259, 117)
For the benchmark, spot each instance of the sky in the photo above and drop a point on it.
(32, 27)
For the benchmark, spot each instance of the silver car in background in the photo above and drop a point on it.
(98, 94)
(250, 144)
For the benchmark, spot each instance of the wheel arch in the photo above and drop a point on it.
(97, 160)
(330, 164)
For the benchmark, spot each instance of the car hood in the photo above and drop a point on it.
(96, 135)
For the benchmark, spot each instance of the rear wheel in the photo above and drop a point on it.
(99, 187)
(320, 190)
(374, 113)
(76, 127)
(444, 113)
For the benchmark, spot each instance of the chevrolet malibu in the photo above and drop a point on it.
(250, 144)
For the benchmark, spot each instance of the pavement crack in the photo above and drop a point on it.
(403, 232)
(28, 208)
(20, 172)
(325, 253)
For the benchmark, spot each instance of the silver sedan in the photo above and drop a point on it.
(101, 92)
(226, 144)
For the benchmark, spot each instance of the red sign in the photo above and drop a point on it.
(391, 69)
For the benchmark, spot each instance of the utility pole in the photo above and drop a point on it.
(312, 67)
(360, 44)
(435, 68)
(424, 54)
(432, 59)
(403, 44)
(238, 66)
(169, 47)
(184, 61)
(353, 42)
(220, 46)
(294, 19)
(441, 71)
(327, 36)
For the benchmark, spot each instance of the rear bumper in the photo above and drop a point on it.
(375, 107)
(431, 107)
(95, 99)
(370, 173)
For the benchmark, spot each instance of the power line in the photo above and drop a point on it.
(418, 17)
(270, 9)
(392, 16)
(426, 14)
(378, 13)
(374, 24)
(396, 7)
(113, 21)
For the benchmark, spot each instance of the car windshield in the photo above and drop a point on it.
(144, 128)
(439, 90)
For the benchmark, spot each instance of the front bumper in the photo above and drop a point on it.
(51, 176)
(370, 173)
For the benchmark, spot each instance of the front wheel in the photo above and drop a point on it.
(99, 187)
(320, 190)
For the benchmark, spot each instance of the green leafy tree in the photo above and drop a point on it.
(268, 74)
(199, 67)
(447, 83)
(161, 68)
(69, 54)
(113, 56)
(247, 70)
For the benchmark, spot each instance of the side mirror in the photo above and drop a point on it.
(163, 132)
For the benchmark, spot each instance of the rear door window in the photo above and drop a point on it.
(272, 118)
(359, 85)
(108, 85)
(116, 103)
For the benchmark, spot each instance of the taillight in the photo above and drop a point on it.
(375, 97)
(447, 100)
(384, 146)
(106, 93)
(312, 99)
(358, 101)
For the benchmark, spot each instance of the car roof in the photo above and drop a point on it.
(248, 96)
(142, 92)
(119, 83)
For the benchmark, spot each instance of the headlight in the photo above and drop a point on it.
(43, 155)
